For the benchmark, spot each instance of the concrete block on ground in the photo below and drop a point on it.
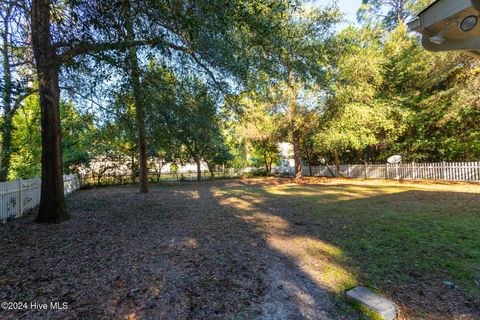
(373, 302)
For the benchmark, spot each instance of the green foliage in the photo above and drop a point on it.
(354, 127)
(260, 126)
(389, 95)
(26, 158)
(436, 92)
(182, 116)
(77, 133)
(264, 153)
(362, 94)
(236, 146)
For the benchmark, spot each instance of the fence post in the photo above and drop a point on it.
(21, 196)
(444, 170)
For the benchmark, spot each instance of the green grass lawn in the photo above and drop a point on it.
(414, 242)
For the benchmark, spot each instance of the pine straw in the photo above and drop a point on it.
(173, 253)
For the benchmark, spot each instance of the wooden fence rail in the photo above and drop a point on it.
(449, 171)
(16, 197)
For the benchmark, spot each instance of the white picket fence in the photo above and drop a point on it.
(450, 171)
(16, 197)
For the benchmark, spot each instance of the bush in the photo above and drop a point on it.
(257, 172)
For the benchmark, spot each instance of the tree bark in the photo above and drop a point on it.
(52, 199)
(336, 160)
(199, 171)
(142, 141)
(293, 124)
(268, 165)
(296, 154)
(137, 98)
(265, 156)
(159, 170)
(211, 168)
(212, 173)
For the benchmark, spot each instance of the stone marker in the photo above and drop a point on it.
(374, 302)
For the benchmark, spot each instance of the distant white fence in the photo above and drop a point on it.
(450, 171)
(18, 196)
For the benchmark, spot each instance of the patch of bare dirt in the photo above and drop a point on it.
(177, 252)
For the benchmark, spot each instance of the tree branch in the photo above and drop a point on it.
(20, 99)
(208, 71)
(71, 90)
(89, 47)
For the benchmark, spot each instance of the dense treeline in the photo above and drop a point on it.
(382, 94)
(389, 96)
(224, 85)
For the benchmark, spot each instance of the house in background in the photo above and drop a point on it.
(287, 163)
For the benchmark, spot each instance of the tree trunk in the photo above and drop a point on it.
(309, 169)
(199, 171)
(211, 169)
(160, 167)
(7, 124)
(6, 152)
(336, 160)
(330, 170)
(137, 97)
(212, 173)
(132, 165)
(268, 165)
(293, 124)
(52, 199)
(296, 154)
(265, 157)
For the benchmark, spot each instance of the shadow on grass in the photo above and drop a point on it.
(420, 248)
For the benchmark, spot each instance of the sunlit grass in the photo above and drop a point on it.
(320, 260)
(375, 233)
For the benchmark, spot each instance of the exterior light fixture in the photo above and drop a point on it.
(450, 25)
(469, 23)
(437, 39)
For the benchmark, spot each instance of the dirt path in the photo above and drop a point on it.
(183, 251)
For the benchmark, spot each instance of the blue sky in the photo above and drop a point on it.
(348, 7)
